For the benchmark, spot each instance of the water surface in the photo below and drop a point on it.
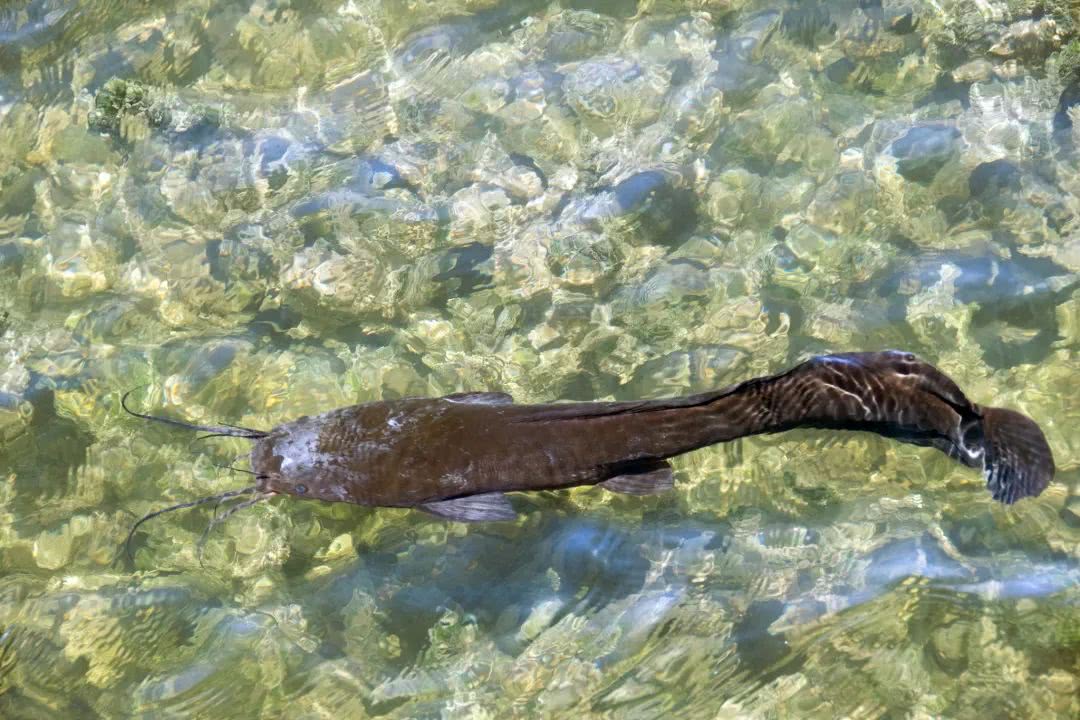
(265, 209)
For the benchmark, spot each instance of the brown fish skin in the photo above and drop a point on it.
(455, 456)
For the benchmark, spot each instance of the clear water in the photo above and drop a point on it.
(264, 209)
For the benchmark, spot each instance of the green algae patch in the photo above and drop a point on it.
(120, 103)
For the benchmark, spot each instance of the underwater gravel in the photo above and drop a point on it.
(271, 208)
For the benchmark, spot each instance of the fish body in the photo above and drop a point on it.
(455, 456)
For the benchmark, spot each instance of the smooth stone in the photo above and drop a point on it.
(808, 24)
(1070, 97)
(657, 206)
(738, 79)
(839, 71)
(991, 179)
(948, 646)
(924, 150)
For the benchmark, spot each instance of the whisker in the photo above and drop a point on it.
(239, 470)
(213, 521)
(218, 505)
(181, 506)
(239, 427)
(214, 435)
(215, 430)
(219, 519)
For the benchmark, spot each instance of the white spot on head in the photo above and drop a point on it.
(299, 450)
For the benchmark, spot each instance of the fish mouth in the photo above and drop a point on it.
(264, 460)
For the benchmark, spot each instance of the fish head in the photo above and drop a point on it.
(292, 460)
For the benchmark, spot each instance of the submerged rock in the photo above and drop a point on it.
(16, 414)
(11, 260)
(922, 151)
(650, 206)
(993, 178)
(996, 185)
(687, 371)
(808, 24)
(356, 200)
(584, 258)
(609, 91)
(575, 35)
(1031, 40)
(737, 75)
(1011, 300)
(1070, 98)
(680, 286)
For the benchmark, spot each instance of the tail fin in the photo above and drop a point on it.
(1017, 461)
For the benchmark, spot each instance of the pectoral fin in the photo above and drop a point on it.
(474, 508)
(481, 398)
(647, 479)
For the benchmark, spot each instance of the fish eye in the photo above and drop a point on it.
(300, 489)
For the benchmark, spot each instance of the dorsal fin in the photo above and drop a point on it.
(481, 398)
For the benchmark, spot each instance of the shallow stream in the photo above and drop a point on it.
(263, 209)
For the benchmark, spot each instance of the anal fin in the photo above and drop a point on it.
(488, 507)
(646, 478)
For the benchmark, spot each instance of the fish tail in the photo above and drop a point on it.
(1017, 461)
